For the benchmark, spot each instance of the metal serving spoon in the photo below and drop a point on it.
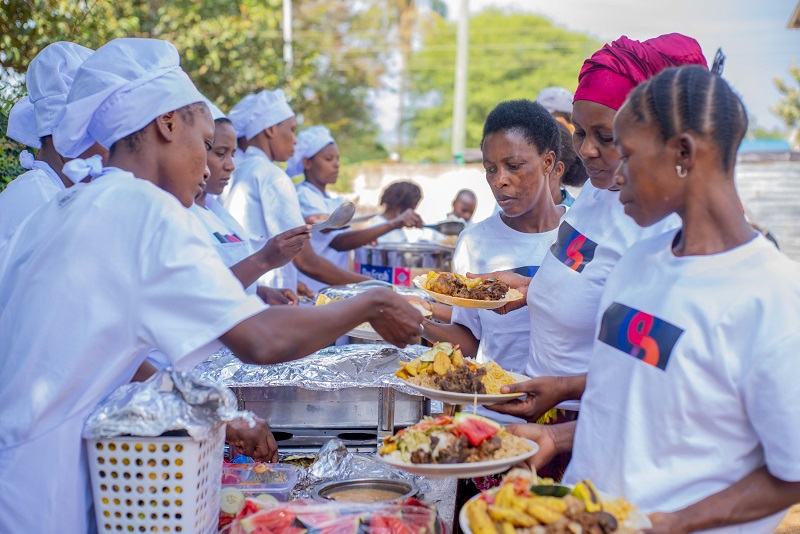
(448, 227)
(339, 218)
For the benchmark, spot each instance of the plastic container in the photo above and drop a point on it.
(259, 481)
(161, 484)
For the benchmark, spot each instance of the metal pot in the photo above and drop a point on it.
(402, 489)
(399, 263)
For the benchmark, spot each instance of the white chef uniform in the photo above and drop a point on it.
(262, 197)
(313, 201)
(48, 80)
(230, 242)
(563, 297)
(264, 200)
(103, 272)
(692, 382)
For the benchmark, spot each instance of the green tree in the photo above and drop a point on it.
(511, 55)
(229, 49)
(788, 108)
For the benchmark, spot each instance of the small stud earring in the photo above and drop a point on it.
(681, 171)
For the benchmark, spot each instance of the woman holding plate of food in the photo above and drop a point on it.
(692, 389)
(564, 295)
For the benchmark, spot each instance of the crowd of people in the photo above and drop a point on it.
(657, 328)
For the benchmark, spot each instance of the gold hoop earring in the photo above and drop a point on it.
(682, 173)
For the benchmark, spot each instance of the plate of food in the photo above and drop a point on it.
(442, 373)
(464, 446)
(515, 506)
(365, 330)
(457, 290)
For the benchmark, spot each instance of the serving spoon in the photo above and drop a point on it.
(448, 227)
(338, 219)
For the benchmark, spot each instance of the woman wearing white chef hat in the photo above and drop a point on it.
(112, 267)
(227, 236)
(263, 198)
(31, 123)
(316, 156)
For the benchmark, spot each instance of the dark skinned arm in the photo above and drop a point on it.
(277, 252)
(757, 495)
(145, 371)
(454, 333)
(359, 238)
(543, 393)
(320, 269)
(286, 333)
(552, 440)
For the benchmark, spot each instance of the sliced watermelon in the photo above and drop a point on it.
(475, 428)
(268, 522)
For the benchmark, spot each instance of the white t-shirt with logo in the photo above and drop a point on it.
(564, 295)
(24, 195)
(488, 246)
(264, 201)
(102, 273)
(314, 202)
(693, 380)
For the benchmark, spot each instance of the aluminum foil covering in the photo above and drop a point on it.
(347, 366)
(351, 290)
(169, 400)
(335, 462)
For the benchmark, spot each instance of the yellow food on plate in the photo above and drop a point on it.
(444, 367)
(523, 505)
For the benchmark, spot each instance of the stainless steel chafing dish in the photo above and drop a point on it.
(348, 392)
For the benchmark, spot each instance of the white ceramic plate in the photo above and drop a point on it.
(467, 399)
(365, 330)
(637, 519)
(469, 470)
(511, 296)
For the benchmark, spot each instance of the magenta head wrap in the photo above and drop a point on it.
(613, 71)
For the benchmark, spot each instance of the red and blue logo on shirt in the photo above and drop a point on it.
(643, 336)
(572, 248)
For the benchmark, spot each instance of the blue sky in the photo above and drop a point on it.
(752, 33)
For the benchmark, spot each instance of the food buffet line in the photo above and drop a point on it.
(372, 439)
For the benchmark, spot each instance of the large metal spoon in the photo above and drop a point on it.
(448, 227)
(339, 218)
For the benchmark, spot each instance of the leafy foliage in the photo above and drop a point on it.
(788, 108)
(512, 55)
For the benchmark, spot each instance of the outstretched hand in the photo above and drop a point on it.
(514, 281)
(257, 442)
(282, 248)
(543, 393)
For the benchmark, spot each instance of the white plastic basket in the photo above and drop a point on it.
(162, 484)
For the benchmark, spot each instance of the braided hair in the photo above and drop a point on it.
(531, 119)
(690, 98)
(402, 196)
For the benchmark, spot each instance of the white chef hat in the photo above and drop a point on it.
(266, 109)
(556, 99)
(309, 142)
(48, 81)
(119, 90)
(241, 114)
(216, 113)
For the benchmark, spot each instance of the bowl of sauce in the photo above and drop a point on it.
(365, 490)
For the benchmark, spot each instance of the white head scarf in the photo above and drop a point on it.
(266, 109)
(48, 80)
(555, 99)
(241, 114)
(216, 113)
(119, 90)
(309, 142)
